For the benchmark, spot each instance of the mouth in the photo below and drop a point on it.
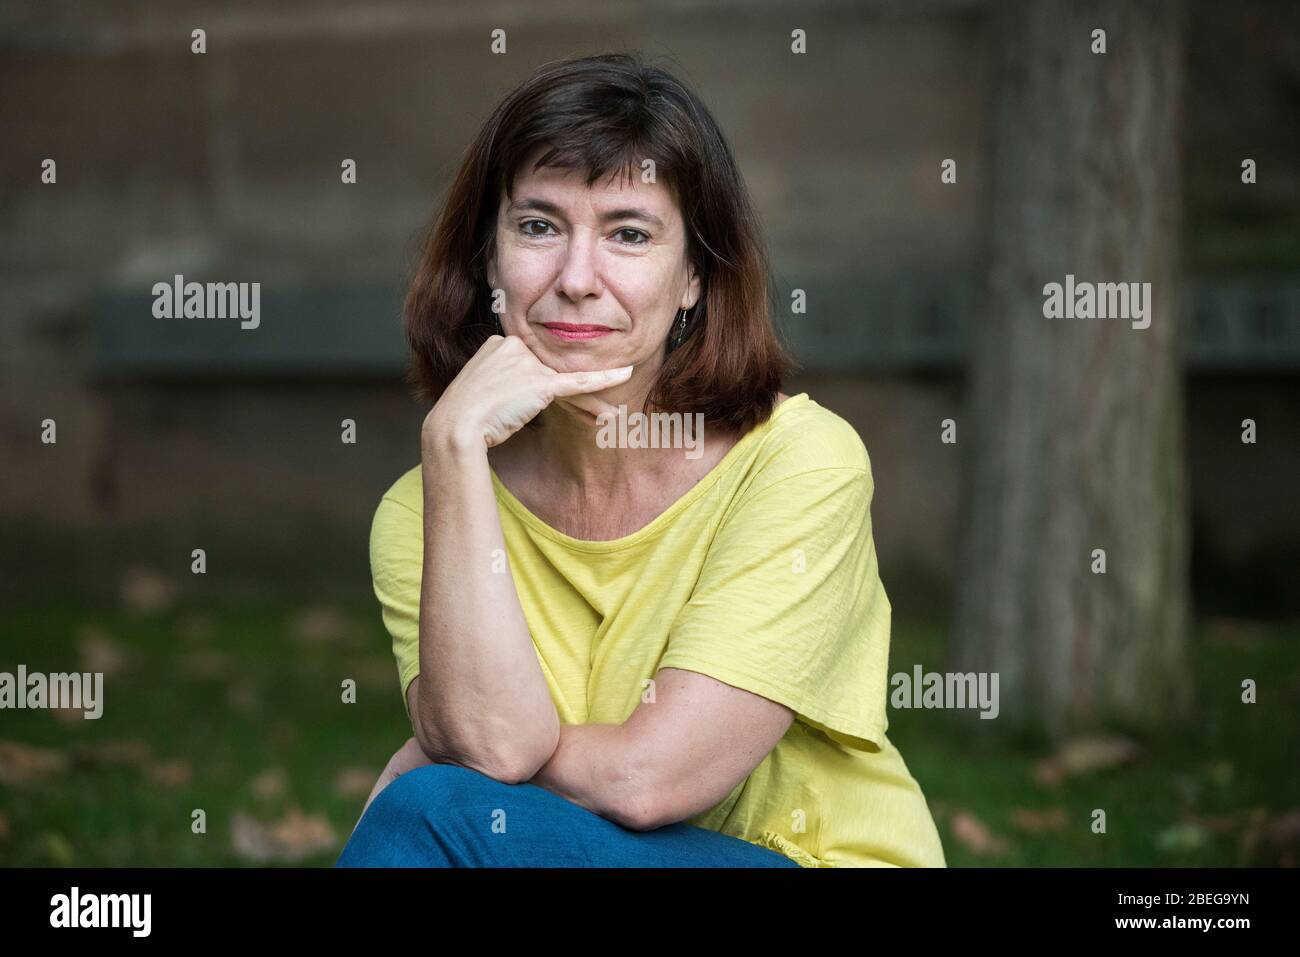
(572, 331)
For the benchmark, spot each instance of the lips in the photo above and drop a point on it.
(576, 330)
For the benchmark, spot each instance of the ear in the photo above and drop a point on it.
(693, 288)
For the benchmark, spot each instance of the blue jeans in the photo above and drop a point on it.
(444, 815)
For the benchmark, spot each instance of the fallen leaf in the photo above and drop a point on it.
(1085, 756)
(69, 717)
(302, 835)
(970, 832)
(355, 782)
(21, 764)
(146, 592)
(319, 625)
(99, 652)
(270, 784)
(1038, 822)
(170, 774)
(294, 837)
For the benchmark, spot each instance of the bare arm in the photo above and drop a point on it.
(480, 699)
(670, 760)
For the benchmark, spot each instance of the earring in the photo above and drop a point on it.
(496, 320)
(679, 329)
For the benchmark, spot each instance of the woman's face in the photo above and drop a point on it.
(609, 257)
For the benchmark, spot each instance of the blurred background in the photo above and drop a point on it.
(1006, 447)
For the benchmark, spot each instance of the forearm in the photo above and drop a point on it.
(483, 700)
(593, 767)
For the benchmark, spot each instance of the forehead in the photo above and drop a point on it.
(622, 188)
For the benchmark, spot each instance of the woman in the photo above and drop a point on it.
(632, 655)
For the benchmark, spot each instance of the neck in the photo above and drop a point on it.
(567, 442)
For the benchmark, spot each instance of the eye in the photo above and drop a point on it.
(644, 237)
(523, 227)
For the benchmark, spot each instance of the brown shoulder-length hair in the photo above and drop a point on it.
(605, 115)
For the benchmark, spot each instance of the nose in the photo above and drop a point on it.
(580, 271)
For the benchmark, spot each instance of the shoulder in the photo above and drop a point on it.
(398, 521)
(804, 437)
(407, 492)
(397, 543)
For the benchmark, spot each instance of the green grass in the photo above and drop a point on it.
(236, 692)
(293, 718)
(1207, 795)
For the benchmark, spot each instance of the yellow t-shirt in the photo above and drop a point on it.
(762, 576)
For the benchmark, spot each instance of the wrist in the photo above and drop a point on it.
(442, 439)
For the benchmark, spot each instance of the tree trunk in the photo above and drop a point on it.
(1074, 437)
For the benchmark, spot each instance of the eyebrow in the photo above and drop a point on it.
(550, 209)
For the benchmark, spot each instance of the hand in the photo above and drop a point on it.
(504, 385)
(408, 757)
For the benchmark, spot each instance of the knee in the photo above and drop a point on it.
(426, 795)
(407, 822)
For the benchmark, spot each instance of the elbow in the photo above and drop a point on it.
(651, 791)
(637, 802)
(504, 754)
(522, 763)
(512, 770)
(638, 815)
(507, 748)
(644, 811)
(510, 766)
(514, 763)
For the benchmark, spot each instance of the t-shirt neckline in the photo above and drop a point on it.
(507, 498)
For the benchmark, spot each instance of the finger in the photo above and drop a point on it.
(576, 383)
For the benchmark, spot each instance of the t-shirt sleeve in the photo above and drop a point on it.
(789, 605)
(396, 566)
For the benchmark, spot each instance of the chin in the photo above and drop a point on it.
(578, 360)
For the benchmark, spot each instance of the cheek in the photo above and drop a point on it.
(524, 274)
(645, 289)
